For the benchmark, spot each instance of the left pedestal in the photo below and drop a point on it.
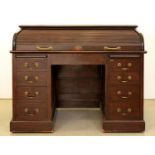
(32, 108)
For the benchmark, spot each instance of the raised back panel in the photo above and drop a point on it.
(78, 86)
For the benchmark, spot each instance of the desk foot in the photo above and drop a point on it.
(31, 127)
(117, 126)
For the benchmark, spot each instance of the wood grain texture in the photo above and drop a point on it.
(78, 66)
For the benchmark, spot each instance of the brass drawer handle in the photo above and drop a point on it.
(124, 81)
(31, 113)
(112, 48)
(27, 78)
(124, 97)
(27, 94)
(124, 68)
(44, 48)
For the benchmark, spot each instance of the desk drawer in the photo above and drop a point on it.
(31, 64)
(32, 78)
(30, 112)
(122, 111)
(125, 78)
(124, 64)
(124, 93)
(31, 93)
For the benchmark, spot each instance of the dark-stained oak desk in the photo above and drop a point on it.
(77, 66)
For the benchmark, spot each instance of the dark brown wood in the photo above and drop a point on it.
(78, 66)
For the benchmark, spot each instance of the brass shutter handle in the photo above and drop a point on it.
(39, 48)
(112, 48)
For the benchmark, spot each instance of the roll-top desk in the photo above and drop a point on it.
(77, 66)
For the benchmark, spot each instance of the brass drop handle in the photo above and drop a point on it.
(39, 48)
(124, 68)
(124, 81)
(31, 113)
(27, 78)
(27, 94)
(112, 48)
(124, 97)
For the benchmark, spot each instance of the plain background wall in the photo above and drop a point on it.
(79, 12)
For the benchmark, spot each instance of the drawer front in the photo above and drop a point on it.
(30, 112)
(31, 93)
(125, 64)
(31, 64)
(119, 111)
(125, 78)
(124, 93)
(32, 78)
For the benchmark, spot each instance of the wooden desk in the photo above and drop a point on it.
(77, 66)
